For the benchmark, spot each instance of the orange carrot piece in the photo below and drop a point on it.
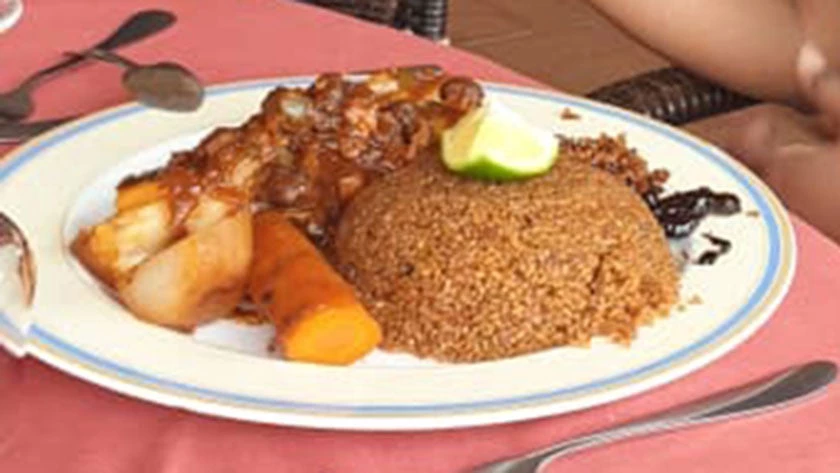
(317, 315)
(331, 335)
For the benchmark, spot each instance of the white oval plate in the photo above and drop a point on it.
(66, 178)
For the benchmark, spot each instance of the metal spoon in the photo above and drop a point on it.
(17, 266)
(782, 390)
(163, 85)
(16, 104)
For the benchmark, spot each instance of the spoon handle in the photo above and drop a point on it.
(141, 25)
(757, 397)
(104, 55)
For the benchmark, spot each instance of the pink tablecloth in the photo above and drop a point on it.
(50, 422)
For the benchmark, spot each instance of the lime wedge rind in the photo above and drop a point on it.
(493, 142)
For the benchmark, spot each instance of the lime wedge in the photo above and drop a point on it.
(493, 142)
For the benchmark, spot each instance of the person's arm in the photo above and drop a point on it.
(747, 45)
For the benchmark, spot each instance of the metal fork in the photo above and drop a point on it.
(13, 132)
(777, 392)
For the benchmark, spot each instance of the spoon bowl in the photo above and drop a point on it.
(17, 266)
(16, 104)
(165, 85)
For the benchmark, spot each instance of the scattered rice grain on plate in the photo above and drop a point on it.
(695, 300)
(568, 114)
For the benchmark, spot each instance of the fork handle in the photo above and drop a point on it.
(141, 25)
(13, 132)
(781, 390)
